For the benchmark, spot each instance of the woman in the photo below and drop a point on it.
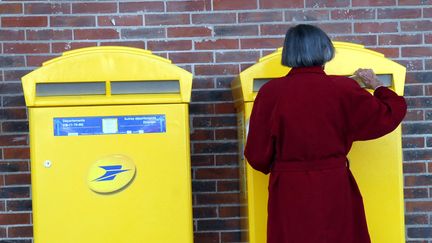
(301, 129)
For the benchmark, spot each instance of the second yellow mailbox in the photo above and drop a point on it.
(109, 142)
(376, 164)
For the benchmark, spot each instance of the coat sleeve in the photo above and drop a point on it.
(373, 116)
(260, 143)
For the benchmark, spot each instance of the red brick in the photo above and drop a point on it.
(37, 61)
(356, 3)
(225, 108)
(227, 160)
(367, 40)
(416, 219)
(306, 15)
(95, 34)
(47, 8)
(10, 8)
(411, 64)
(413, 90)
(123, 20)
(11, 35)
(414, 115)
(136, 44)
(226, 69)
(17, 179)
(229, 211)
(189, 32)
(207, 237)
(20, 231)
(252, 17)
(191, 57)
(14, 166)
(72, 21)
(201, 134)
(338, 28)
(261, 43)
(16, 48)
(218, 224)
(274, 29)
(269, 4)
(214, 18)
(216, 44)
(215, 147)
(428, 89)
(11, 88)
(327, 3)
(418, 206)
(143, 33)
(375, 27)
(166, 19)
(400, 39)
(203, 83)
(94, 7)
(25, 21)
(415, 193)
(11, 140)
(143, 6)
(417, 51)
(413, 142)
(428, 38)
(414, 168)
(419, 25)
(202, 160)
(59, 47)
(226, 134)
(237, 56)
(2, 208)
(204, 212)
(236, 30)
(427, 12)
(3, 233)
(16, 153)
(344, 14)
(49, 34)
(175, 45)
(388, 52)
(217, 199)
(14, 218)
(399, 13)
(233, 5)
(234, 236)
(415, 2)
(188, 6)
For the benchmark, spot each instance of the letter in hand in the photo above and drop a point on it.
(367, 77)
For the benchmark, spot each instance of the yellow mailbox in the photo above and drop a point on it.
(109, 141)
(376, 164)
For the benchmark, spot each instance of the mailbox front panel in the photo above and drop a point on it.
(109, 174)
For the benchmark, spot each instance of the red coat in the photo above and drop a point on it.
(301, 128)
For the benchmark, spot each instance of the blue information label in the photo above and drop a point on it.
(78, 126)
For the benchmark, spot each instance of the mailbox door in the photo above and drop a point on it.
(154, 206)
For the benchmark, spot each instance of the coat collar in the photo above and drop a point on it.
(313, 69)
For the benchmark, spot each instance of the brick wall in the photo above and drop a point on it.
(215, 40)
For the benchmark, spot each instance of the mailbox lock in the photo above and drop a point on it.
(47, 163)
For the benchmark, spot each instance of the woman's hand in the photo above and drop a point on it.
(368, 77)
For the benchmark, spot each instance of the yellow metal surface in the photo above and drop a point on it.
(376, 164)
(155, 207)
(110, 185)
(106, 64)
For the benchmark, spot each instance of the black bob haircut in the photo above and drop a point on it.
(305, 46)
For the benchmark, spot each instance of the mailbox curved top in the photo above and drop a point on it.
(107, 75)
(348, 58)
